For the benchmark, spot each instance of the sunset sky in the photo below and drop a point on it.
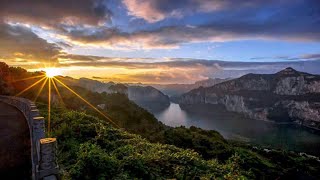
(160, 41)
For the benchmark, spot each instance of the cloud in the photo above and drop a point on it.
(146, 70)
(174, 36)
(174, 70)
(164, 74)
(135, 63)
(311, 56)
(82, 22)
(303, 57)
(157, 10)
(53, 13)
(283, 20)
(19, 44)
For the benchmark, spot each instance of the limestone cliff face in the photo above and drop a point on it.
(303, 111)
(288, 96)
(290, 86)
(297, 85)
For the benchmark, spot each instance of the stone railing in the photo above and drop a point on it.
(43, 150)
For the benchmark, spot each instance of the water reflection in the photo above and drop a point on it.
(173, 116)
(233, 126)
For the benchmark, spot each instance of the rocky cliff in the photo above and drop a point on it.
(288, 96)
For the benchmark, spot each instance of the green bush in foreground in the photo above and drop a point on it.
(91, 149)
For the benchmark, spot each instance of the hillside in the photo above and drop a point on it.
(288, 96)
(145, 96)
(173, 90)
(90, 148)
(148, 97)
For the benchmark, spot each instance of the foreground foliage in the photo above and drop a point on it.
(91, 149)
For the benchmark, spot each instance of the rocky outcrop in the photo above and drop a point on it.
(305, 112)
(118, 88)
(95, 86)
(297, 86)
(290, 86)
(288, 96)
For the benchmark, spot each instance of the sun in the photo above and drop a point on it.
(52, 72)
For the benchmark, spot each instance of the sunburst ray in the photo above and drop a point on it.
(88, 103)
(49, 106)
(57, 90)
(40, 90)
(30, 86)
(29, 78)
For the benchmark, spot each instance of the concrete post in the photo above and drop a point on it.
(38, 128)
(48, 168)
(34, 113)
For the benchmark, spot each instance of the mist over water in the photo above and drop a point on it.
(234, 126)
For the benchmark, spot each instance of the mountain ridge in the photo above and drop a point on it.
(173, 90)
(142, 95)
(288, 96)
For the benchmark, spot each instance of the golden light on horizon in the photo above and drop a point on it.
(50, 79)
(52, 72)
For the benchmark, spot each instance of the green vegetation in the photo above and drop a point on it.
(273, 164)
(90, 148)
(210, 144)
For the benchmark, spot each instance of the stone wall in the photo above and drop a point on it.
(36, 125)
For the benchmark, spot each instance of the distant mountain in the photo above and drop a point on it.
(148, 97)
(288, 96)
(145, 96)
(178, 89)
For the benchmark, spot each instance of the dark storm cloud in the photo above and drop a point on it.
(20, 44)
(54, 12)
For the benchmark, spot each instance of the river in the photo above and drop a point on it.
(233, 126)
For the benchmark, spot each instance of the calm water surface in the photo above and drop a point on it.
(231, 126)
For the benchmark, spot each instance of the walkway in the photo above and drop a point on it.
(15, 160)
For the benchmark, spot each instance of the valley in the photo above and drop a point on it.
(240, 128)
(236, 108)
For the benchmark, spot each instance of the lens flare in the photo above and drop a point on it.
(52, 72)
(49, 107)
(88, 103)
(34, 84)
(40, 90)
(57, 90)
(51, 80)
